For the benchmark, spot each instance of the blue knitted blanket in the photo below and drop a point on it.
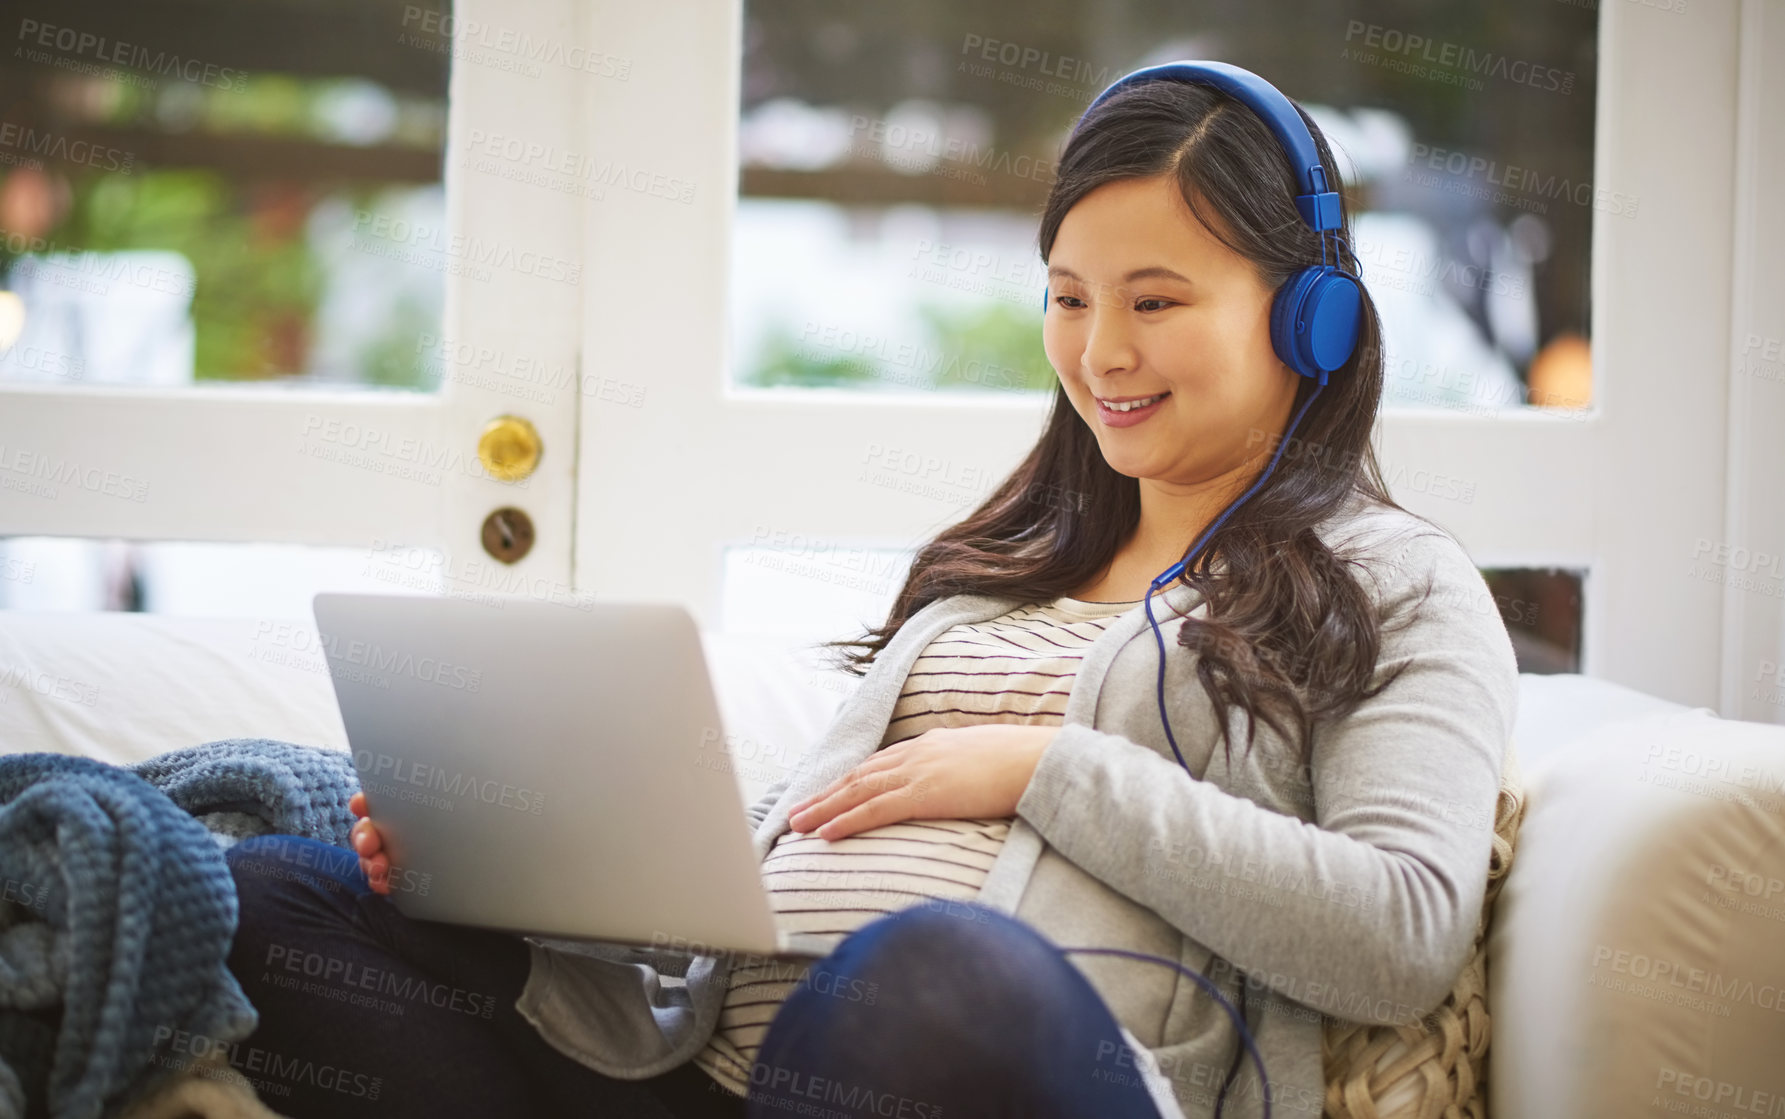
(117, 909)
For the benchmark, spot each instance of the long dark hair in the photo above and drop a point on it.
(1291, 634)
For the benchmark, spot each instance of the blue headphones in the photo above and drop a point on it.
(1316, 313)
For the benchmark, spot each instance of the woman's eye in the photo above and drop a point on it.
(1074, 303)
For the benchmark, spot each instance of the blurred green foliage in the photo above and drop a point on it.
(258, 284)
(784, 361)
(989, 348)
(392, 359)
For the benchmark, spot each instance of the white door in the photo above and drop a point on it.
(371, 470)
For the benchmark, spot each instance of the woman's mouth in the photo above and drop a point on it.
(1131, 412)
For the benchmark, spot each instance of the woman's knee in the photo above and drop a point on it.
(938, 1001)
(940, 932)
(989, 964)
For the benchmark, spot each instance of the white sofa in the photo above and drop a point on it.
(1637, 956)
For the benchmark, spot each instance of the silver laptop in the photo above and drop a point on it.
(554, 768)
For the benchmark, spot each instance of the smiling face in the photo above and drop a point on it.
(1144, 300)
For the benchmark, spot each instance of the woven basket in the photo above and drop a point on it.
(1437, 1068)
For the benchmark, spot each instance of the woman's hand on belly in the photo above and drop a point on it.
(948, 773)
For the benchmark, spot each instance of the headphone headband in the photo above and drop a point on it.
(1318, 205)
(1316, 315)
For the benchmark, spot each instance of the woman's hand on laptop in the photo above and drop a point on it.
(369, 845)
(948, 773)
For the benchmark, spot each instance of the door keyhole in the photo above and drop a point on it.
(508, 534)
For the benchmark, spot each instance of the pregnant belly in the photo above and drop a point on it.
(821, 886)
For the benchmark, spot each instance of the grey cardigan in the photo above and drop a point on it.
(1347, 887)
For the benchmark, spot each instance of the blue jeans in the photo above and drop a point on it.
(939, 1011)
(946, 1010)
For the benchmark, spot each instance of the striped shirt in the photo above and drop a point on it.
(1016, 668)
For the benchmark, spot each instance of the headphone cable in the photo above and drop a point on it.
(1238, 1016)
(1165, 720)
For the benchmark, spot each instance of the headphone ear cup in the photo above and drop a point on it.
(1285, 308)
(1315, 319)
(1331, 316)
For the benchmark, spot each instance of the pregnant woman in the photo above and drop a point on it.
(1280, 815)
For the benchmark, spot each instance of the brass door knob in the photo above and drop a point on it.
(509, 448)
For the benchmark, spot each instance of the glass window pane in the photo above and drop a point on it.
(247, 212)
(894, 160)
(1541, 607)
(206, 579)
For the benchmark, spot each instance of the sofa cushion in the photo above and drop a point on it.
(1556, 709)
(1636, 960)
(124, 687)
